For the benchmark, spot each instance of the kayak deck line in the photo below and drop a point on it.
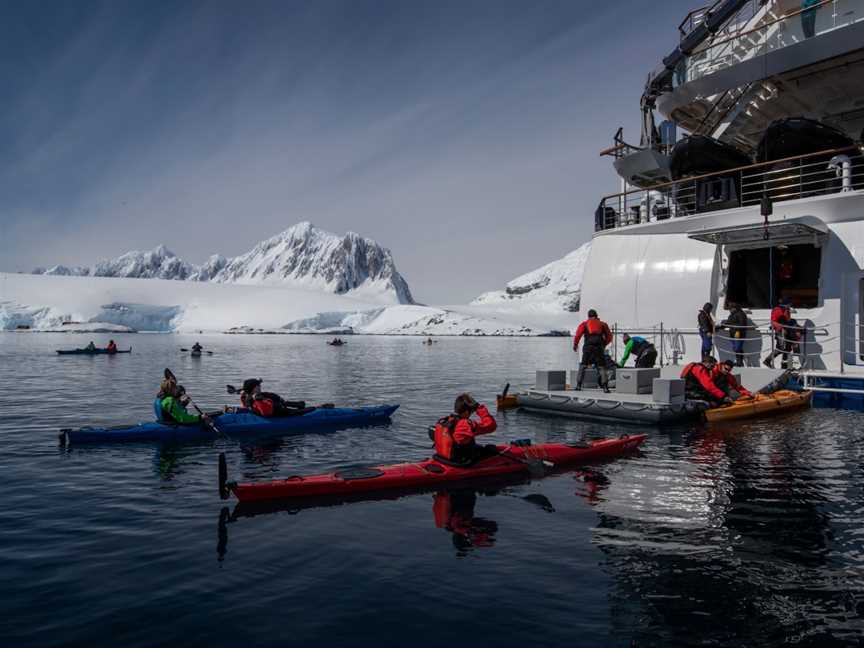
(510, 460)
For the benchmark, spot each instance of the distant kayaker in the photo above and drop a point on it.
(705, 321)
(726, 381)
(91, 346)
(642, 349)
(266, 404)
(455, 435)
(172, 401)
(699, 382)
(112, 347)
(197, 348)
(597, 337)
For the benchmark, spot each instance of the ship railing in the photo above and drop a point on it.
(799, 346)
(775, 31)
(734, 24)
(819, 173)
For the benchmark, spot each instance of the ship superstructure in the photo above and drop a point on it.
(761, 199)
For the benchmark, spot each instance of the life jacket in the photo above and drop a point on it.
(111, 348)
(266, 404)
(443, 436)
(595, 332)
(640, 344)
(690, 380)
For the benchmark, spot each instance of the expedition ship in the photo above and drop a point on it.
(762, 199)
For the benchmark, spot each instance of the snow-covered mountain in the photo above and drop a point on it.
(158, 263)
(302, 256)
(555, 287)
(308, 257)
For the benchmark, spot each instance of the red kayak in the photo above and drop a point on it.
(510, 460)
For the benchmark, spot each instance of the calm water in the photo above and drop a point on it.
(744, 535)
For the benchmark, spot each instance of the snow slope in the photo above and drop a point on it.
(553, 288)
(45, 302)
(302, 256)
(426, 320)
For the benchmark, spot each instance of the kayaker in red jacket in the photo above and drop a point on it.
(112, 347)
(455, 435)
(597, 337)
(699, 382)
(725, 380)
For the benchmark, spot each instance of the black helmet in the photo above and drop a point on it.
(592, 313)
(708, 307)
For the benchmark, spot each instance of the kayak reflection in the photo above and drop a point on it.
(453, 509)
(454, 512)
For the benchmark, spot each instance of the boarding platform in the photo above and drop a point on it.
(638, 396)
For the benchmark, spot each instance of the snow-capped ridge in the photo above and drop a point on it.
(302, 256)
(554, 287)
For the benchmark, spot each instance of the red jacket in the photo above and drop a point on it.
(718, 376)
(593, 327)
(780, 316)
(452, 431)
(466, 429)
(696, 371)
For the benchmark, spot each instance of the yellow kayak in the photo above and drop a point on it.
(761, 405)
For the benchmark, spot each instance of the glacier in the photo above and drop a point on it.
(276, 288)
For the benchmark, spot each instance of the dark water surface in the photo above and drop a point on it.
(745, 535)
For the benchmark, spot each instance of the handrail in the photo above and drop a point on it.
(726, 172)
(791, 14)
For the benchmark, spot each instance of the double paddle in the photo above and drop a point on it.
(169, 375)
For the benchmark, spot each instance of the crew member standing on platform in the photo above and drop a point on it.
(706, 329)
(737, 326)
(597, 337)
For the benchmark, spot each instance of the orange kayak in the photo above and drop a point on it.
(761, 405)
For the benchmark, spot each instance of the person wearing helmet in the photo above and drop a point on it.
(597, 337)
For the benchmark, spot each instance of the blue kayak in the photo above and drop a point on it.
(232, 425)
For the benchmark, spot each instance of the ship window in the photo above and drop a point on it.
(759, 277)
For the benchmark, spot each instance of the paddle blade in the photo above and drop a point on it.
(506, 389)
(231, 389)
(223, 476)
(169, 375)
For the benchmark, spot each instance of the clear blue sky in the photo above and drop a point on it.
(463, 135)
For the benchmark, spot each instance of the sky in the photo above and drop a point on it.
(462, 135)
